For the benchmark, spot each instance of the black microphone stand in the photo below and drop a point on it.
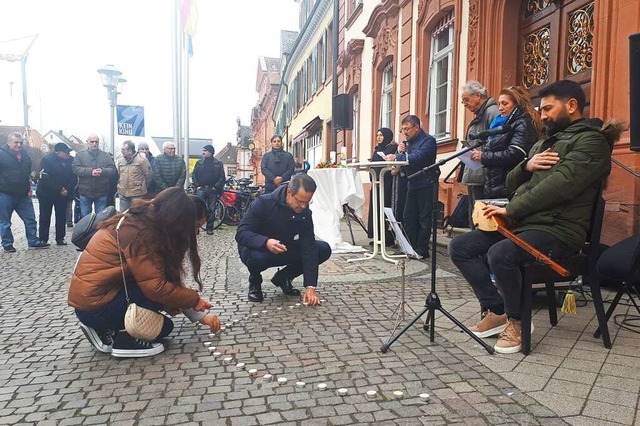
(432, 304)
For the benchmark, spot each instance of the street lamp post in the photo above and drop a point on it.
(112, 80)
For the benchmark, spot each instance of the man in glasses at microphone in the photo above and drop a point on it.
(419, 149)
(551, 192)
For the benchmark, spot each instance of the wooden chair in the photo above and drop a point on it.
(584, 264)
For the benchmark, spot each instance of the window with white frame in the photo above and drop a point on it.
(314, 149)
(354, 131)
(386, 101)
(440, 88)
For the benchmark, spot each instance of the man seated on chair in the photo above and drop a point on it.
(278, 231)
(553, 192)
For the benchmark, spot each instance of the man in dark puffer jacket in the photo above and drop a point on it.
(15, 183)
(552, 197)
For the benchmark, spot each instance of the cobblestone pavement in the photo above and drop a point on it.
(51, 375)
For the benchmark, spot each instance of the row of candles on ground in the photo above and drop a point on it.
(371, 394)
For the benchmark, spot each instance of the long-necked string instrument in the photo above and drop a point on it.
(496, 223)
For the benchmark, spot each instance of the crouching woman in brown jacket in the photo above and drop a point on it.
(155, 237)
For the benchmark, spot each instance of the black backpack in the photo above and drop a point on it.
(88, 226)
(459, 218)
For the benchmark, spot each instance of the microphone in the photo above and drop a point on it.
(483, 134)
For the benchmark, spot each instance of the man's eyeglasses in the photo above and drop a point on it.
(93, 141)
(406, 129)
(302, 203)
(466, 99)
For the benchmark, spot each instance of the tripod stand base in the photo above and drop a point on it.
(433, 304)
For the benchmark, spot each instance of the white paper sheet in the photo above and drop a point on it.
(468, 162)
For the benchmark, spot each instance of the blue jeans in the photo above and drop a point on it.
(260, 260)
(86, 203)
(111, 315)
(478, 253)
(210, 197)
(24, 207)
(125, 202)
(417, 218)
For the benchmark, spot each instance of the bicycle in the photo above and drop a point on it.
(218, 210)
(236, 199)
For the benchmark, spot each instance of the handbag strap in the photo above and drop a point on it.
(124, 280)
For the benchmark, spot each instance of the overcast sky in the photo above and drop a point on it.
(76, 37)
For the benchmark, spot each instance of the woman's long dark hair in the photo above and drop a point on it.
(166, 230)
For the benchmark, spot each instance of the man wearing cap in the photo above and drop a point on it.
(208, 177)
(55, 188)
(152, 187)
(95, 170)
(134, 174)
(15, 184)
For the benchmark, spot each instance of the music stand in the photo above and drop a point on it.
(432, 303)
(405, 247)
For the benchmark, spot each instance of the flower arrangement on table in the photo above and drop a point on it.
(328, 165)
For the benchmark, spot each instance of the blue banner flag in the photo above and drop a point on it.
(130, 120)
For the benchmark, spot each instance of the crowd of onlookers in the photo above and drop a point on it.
(91, 179)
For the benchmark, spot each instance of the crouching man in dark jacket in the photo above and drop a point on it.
(277, 231)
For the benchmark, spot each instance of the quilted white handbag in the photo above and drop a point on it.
(139, 322)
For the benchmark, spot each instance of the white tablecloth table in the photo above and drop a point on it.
(336, 187)
(377, 171)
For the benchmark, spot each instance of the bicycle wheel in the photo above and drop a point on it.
(232, 217)
(219, 213)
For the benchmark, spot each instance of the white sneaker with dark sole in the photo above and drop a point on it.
(126, 346)
(101, 343)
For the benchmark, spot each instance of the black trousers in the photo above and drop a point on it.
(260, 260)
(44, 221)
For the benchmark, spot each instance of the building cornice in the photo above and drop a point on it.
(304, 38)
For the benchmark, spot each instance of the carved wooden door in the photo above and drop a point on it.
(555, 43)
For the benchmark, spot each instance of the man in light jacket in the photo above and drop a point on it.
(135, 174)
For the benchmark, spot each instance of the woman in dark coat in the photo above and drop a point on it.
(384, 144)
(503, 152)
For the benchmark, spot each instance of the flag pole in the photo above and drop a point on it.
(176, 68)
(185, 100)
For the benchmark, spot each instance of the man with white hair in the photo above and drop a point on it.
(169, 169)
(475, 98)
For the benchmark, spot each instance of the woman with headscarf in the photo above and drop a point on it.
(384, 144)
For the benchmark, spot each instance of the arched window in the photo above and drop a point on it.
(439, 100)
(386, 97)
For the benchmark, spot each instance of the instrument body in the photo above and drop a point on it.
(497, 224)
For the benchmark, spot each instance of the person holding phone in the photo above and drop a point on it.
(503, 152)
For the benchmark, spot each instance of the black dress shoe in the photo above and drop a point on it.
(285, 284)
(60, 243)
(255, 292)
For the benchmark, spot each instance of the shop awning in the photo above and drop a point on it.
(309, 129)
